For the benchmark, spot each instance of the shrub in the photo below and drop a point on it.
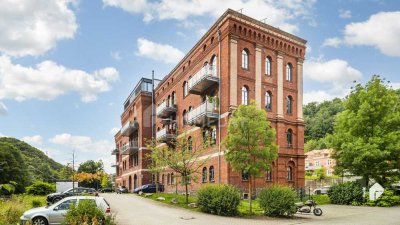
(12, 209)
(278, 201)
(40, 188)
(346, 193)
(387, 199)
(321, 199)
(87, 212)
(219, 199)
(7, 189)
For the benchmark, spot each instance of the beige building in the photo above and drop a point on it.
(316, 159)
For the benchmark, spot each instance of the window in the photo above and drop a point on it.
(289, 104)
(172, 178)
(205, 137)
(204, 175)
(162, 179)
(213, 63)
(289, 71)
(268, 175)
(245, 176)
(65, 205)
(289, 138)
(268, 101)
(245, 59)
(317, 163)
(211, 176)
(168, 179)
(185, 89)
(184, 117)
(190, 144)
(329, 162)
(245, 95)
(289, 173)
(214, 136)
(173, 99)
(268, 66)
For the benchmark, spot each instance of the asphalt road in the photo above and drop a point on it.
(134, 210)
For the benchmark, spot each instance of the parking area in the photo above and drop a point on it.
(133, 210)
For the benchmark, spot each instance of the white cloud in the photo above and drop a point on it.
(83, 143)
(34, 140)
(381, 30)
(395, 85)
(334, 42)
(345, 14)
(159, 52)
(279, 13)
(114, 130)
(336, 75)
(33, 27)
(49, 80)
(116, 55)
(3, 109)
(2, 135)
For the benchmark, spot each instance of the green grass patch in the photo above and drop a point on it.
(12, 209)
(244, 206)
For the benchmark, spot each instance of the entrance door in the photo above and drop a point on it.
(130, 183)
(135, 181)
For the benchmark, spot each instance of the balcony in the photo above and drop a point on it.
(115, 164)
(203, 115)
(167, 121)
(165, 135)
(203, 79)
(129, 128)
(165, 111)
(130, 148)
(114, 151)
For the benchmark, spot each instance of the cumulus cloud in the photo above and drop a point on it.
(160, 52)
(83, 143)
(33, 27)
(334, 42)
(49, 80)
(34, 140)
(279, 13)
(336, 74)
(3, 109)
(345, 14)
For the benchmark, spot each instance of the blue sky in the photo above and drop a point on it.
(66, 66)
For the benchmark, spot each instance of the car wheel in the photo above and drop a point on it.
(39, 221)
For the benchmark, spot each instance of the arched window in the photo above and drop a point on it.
(162, 179)
(245, 59)
(245, 176)
(168, 179)
(289, 104)
(169, 102)
(185, 89)
(290, 173)
(289, 138)
(213, 65)
(204, 175)
(173, 99)
(268, 66)
(245, 95)
(211, 174)
(184, 117)
(190, 144)
(268, 175)
(214, 136)
(289, 71)
(172, 178)
(268, 101)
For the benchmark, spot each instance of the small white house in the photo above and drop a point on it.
(375, 191)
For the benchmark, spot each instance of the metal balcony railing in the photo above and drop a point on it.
(129, 128)
(165, 134)
(130, 148)
(165, 110)
(206, 113)
(114, 151)
(203, 79)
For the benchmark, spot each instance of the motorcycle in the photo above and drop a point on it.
(307, 206)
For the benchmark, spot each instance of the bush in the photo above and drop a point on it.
(40, 188)
(219, 199)
(387, 199)
(7, 189)
(87, 212)
(346, 193)
(278, 201)
(321, 199)
(12, 209)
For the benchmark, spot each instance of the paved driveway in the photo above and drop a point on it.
(134, 210)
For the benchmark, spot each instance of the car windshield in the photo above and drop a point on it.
(68, 191)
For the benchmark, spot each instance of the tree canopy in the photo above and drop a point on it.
(367, 133)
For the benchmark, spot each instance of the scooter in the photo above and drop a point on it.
(307, 206)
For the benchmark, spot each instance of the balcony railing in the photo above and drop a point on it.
(205, 114)
(115, 164)
(130, 148)
(114, 151)
(129, 128)
(203, 79)
(165, 134)
(164, 110)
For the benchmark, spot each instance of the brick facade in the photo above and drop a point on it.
(213, 67)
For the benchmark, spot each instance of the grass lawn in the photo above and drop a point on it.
(12, 209)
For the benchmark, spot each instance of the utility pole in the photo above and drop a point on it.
(73, 170)
(152, 104)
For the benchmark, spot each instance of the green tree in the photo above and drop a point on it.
(250, 143)
(157, 164)
(367, 134)
(66, 172)
(93, 168)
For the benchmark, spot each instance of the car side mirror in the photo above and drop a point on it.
(56, 208)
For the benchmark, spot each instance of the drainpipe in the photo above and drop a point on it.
(219, 105)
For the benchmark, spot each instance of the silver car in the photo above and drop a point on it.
(54, 214)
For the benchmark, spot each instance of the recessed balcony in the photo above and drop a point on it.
(167, 121)
(165, 135)
(114, 151)
(129, 128)
(203, 79)
(130, 148)
(165, 111)
(204, 115)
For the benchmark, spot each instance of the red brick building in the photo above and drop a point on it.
(237, 61)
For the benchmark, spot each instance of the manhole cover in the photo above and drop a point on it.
(187, 217)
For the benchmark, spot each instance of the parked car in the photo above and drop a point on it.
(396, 188)
(54, 214)
(105, 190)
(122, 189)
(149, 188)
(321, 191)
(55, 197)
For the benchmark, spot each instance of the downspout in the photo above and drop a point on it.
(219, 105)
